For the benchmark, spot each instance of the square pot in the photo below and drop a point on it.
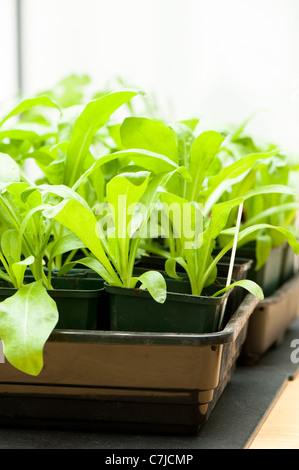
(268, 277)
(78, 301)
(136, 310)
(141, 382)
(155, 262)
(240, 271)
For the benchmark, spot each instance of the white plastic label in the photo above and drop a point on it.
(232, 259)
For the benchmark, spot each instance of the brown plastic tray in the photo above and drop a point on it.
(149, 382)
(270, 320)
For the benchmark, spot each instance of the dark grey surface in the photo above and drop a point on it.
(237, 415)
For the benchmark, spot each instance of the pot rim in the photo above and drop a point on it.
(228, 335)
(171, 296)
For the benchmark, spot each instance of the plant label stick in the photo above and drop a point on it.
(232, 259)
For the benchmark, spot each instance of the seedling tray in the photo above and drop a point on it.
(126, 381)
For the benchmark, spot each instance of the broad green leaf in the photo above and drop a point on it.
(93, 264)
(92, 118)
(20, 134)
(61, 191)
(98, 184)
(10, 149)
(33, 197)
(43, 156)
(155, 283)
(55, 171)
(5, 277)
(203, 152)
(218, 220)
(150, 161)
(187, 229)
(236, 136)
(123, 195)
(27, 219)
(19, 269)
(186, 218)
(289, 237)
(229, 175)
(37, 133)
(219, 216)
(191, 123)
(65, 244)
(27, 213)
(272, 211)
(149, 134)
(83, 223)
(27, 318)
(271, 188)
(114, 132)
(263, 249)
(149, 200)
(27, 104)
(182, 263)
(11, 245)
(170, 268)
(67, 121)
(250, 286)
(185, 139)
(10, 170)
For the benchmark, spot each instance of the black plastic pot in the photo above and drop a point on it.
(240, 271)
(77, 273)
(268, 277)
(241, 265)
(78, 300)
(136, 310)
(153, 262)
(81, 303)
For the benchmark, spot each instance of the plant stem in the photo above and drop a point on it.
(9, 211)
(6, 266)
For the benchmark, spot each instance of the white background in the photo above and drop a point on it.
(213, 59)
(8, 47)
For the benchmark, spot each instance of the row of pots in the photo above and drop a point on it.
(86, 302)
(112, 376)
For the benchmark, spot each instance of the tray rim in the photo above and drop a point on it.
(227, 335)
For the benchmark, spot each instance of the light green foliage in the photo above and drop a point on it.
(27, 319)
(103, 181)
